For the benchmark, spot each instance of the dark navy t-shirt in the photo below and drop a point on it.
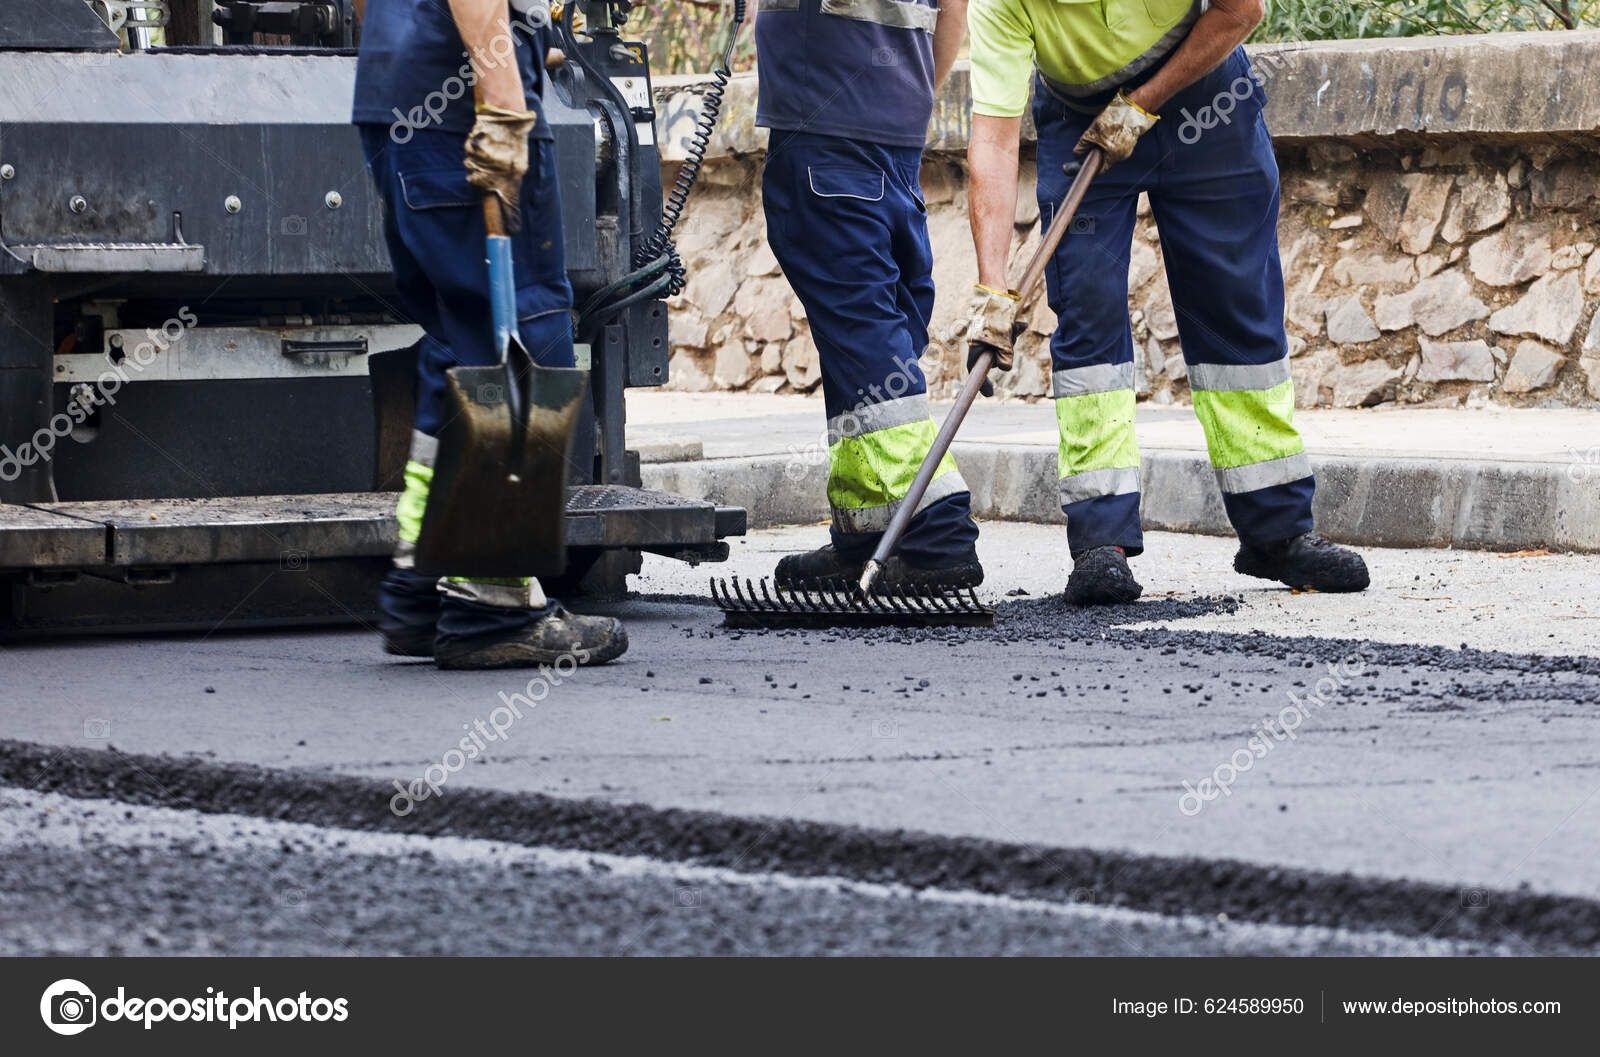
(414, 73)
(858, 69)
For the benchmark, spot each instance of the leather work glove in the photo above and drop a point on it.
(497, 157)
(993, 326)
(1117, 130)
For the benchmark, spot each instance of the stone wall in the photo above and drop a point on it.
(1440, 217)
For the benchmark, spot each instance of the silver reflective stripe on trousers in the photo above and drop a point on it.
(1155, 53)
(869, 418)
(897, 14)
(1228, 377)
(779, 5)
(424, 449)
(1093, 484)
(502, 596)
(876, 518)
(1258, 475)
(1096, 378)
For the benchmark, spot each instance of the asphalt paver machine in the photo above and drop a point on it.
(204, 401)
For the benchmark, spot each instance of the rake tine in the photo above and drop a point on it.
(739, 591)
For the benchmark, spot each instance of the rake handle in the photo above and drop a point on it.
(1032, 275)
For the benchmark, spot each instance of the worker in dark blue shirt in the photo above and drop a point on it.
(447, 97)
(847, 91)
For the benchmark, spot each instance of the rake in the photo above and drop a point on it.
(752, 605)
(866, 604)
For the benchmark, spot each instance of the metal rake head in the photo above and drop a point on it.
(754, 605)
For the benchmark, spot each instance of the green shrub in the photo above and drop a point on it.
(1341, 19)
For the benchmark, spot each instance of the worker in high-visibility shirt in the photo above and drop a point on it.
(1163, 88)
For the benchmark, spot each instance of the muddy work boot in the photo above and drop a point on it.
(1304, 562)
(1101, 577)
(553, 637)
(823, 567)
(900, 575)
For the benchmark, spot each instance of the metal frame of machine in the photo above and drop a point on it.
(192, 282)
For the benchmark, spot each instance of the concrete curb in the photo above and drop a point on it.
(1396, 502)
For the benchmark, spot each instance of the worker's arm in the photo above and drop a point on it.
(485, 28)
(1224, 26)
(948, 33)
(497, 148)
(992, 193)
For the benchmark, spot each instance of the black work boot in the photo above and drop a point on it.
(900, 575)
(547, 640)
(1307, 561)
(823, 567)
(1101, 577)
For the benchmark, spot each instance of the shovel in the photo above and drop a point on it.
(498, 500)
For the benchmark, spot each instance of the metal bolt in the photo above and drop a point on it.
(8, 172)
(78, 204)
(232, 204)
(333, 200)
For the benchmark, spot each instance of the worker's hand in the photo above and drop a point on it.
(992, 327)
(1117, 130)
(497, 156)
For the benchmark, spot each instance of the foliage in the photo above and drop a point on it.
(1341, 19)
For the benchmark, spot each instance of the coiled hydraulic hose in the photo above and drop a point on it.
(657, 254)
(660, 243)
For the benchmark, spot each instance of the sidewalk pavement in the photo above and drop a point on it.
(1498, 479)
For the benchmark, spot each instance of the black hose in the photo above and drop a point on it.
(660, 243)
(658, 253)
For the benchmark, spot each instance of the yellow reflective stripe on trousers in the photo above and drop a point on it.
(869, 473)
(896, 14)
(510, 592)
(1099, 454)
(1251, 436)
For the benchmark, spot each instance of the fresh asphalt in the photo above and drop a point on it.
(1029, 781)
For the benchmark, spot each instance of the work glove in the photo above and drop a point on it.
(992, 326)
(497, 157)
(1117, 130)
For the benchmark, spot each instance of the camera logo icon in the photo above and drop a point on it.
(491, 393)
(885, 57)
(294, 225)
(293, 561)
(68, 1007)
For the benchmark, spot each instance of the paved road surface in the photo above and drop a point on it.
(1472, 773)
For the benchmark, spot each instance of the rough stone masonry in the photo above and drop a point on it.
(1440, 217)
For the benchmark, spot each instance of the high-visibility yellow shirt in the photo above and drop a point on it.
(1083, 47)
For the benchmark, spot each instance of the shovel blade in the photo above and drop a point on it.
(497, 508)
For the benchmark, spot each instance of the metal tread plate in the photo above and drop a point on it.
(293, 529)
